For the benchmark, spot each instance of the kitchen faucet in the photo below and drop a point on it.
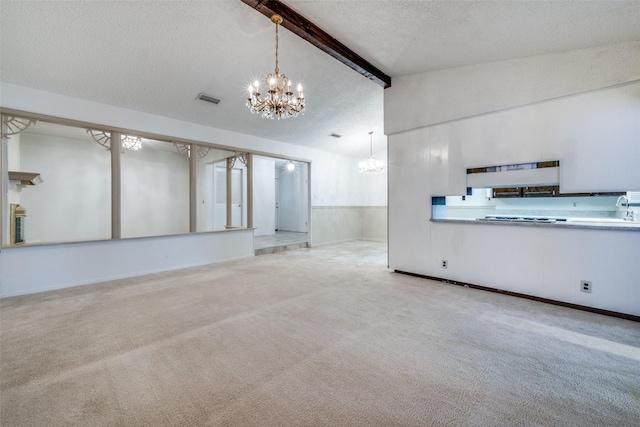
(629, 216)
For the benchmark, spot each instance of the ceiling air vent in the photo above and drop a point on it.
(335, 135)
(208, 98)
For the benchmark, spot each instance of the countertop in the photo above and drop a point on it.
(575, 224)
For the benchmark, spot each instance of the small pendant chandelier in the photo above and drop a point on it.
(279, 101)
(371, 165)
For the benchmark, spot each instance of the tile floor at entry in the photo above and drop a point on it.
(281, 238)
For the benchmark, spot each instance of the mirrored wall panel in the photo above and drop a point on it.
(211, 173)
(155, 188)
(63, 183)
(57, 185)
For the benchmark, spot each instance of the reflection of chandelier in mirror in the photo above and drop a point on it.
(371, 165)
(280, 102)
(129, 142)
(291, 166)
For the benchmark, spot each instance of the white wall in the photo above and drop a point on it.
(329, 178)
(29, 269)
(374, 186)
(543, 262)
(419, 100)
(594, 135)
(343, 212)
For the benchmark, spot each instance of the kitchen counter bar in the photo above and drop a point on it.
(617, 226)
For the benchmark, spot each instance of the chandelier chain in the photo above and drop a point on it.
(370, 144)
(371, 165)
(277, 70)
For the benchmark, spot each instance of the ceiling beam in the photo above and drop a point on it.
(309, 31)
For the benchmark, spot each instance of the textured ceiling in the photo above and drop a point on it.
(156, 56)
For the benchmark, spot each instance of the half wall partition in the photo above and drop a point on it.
(172, 203)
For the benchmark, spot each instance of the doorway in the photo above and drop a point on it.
(281, 203)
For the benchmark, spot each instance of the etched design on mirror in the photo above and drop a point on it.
(15, 125)
(243, 157)
(103, 138)
(185, 150)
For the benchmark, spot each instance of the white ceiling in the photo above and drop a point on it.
(156, 56)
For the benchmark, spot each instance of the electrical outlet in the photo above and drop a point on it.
(444, 263)
(585, 286)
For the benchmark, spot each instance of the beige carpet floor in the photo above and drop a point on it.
(313, 337)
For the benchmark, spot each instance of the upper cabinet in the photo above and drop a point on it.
(544, 191)
(515, 175)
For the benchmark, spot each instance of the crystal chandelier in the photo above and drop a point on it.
(279, 102)
(371, 165)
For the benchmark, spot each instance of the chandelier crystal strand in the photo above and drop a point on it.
(280, 102)
(371, 165)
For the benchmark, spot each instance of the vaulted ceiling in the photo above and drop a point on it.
(157, 56)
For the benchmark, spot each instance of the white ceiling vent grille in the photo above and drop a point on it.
(208, 98)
